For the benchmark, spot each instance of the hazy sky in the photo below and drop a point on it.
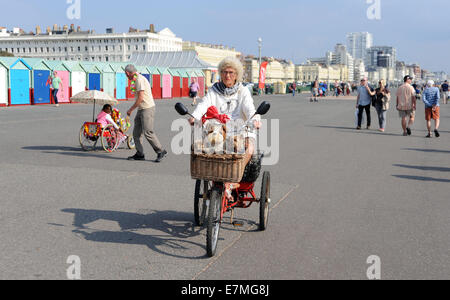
(290, 29)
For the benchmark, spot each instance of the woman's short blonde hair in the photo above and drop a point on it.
(234, 63)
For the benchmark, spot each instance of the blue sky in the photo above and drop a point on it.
(291, 29)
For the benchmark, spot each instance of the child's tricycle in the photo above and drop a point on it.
(92, 132)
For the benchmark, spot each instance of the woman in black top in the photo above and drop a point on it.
(383, 97)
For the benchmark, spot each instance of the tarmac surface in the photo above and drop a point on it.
(338, 197)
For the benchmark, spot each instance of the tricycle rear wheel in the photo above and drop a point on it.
(200, 202)
(87, 142)
(264, 201)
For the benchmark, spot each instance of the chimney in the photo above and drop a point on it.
(78, 29)
(152, 28)
(55, 27)
(72, 27)
(38, 30)
(65, 28)
(48, 29)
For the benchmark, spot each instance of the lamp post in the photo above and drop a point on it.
(259, 64)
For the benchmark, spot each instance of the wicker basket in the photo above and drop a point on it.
(218, 167)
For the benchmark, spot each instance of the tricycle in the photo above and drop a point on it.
(210, 196)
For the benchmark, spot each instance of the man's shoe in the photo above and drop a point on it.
(408, 131)
(137, 157)
(161, 156)
(428, 135)
(436, 133)
(358, 128)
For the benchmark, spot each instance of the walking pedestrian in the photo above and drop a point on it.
(445, 93)
(431, 99)
(143, 122)
(55, 82)
(193, 91)
(406, 104)
(315, 91)
(383, 96)
(363, 101)
(293, 88)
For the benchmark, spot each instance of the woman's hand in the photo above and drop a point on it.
(257, 124)
(191, 121)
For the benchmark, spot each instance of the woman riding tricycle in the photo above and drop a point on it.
(224, 160)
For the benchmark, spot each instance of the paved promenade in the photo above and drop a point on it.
(338, 196)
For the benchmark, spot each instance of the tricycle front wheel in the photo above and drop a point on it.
(213, 221)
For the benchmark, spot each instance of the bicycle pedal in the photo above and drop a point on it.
(238, 223)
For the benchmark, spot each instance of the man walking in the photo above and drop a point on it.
(363, 101)
(143, 122)
(445, 91)
(406, 104)
(431, 99)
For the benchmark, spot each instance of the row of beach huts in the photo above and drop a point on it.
(24, 81)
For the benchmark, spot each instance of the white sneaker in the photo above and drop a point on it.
(56, 105)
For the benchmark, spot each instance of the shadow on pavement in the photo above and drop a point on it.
(439, 169)
(422, 178)
(427, 150)
(73, 151)
(175, 227)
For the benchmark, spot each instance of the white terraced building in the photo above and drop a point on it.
(76, 45)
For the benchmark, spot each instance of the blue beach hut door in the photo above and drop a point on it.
(41, 90)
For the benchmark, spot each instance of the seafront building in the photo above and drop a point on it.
(70, 43)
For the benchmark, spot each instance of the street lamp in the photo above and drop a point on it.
(259, 64)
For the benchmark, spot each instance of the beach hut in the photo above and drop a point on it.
(201, 82)
(93, 71)
(77, 77)
(40, 85)
(62, 72)
(176, 83)
(3, 84)
(19, 82)
(121, 81)
(166, 83)
(108, 78)
(156, 82)
(144, 71)
(184, 82)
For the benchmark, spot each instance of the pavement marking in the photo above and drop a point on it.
(246, 230)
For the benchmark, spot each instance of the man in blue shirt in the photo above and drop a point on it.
(431, 99)
(363, 101)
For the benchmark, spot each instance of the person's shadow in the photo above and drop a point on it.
(175, 227)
